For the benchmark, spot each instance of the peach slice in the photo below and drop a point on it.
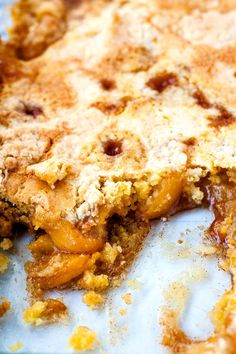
(67, 237)
(163, 196)
(59, 269)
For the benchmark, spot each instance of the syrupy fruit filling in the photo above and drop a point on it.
(222, 200)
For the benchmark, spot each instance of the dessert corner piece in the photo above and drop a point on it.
(113, 114)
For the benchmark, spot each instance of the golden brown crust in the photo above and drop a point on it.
(36, 25)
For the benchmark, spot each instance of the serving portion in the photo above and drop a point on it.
(113, 114)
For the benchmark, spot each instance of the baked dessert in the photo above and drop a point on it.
(114, 113)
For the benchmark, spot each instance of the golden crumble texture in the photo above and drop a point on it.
(6, 244)
(127, 298)
(93, 299)
(4, 262)
(82, 339)
(114, 113)
(42, 312)
(92, 281)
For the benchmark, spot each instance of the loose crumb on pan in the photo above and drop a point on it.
(91, 281)
(134, 284)
(6, 244)
(93, 299)
(16, 347)
(83, 338)
(4, 261)
(4, 306)
(123, 312)
(46, 311)
(127, 298)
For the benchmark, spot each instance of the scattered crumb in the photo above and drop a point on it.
(42, 312)
(93, 299)
(184, 252)
(205, 250)
(110, 253)
(83, 338)
(15, 347)
(125, 328)
(4, 261)
(91, 281)
(134, 284)
(176, 295)
(123, 312)
(32, 315)
(6, 244)
(127, 298)
(4, 307)
(195, 273)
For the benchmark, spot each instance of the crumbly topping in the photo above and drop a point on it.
(50, 170)
(92, 281)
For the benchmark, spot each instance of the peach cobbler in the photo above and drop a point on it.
(114, 113)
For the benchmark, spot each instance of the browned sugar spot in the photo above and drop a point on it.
(224, 118)
(161, 81)
(112, 147)
(32, 110)
(107, 84)
(201, 99)
(190, 142)
(110, 108)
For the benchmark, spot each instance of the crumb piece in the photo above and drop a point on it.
(4, 307)
(123, 312)
(109, 253)
(205, 250)
(93, 299)
(91, 281)
(134, 284)
(42, 312)
(6, 244)
(15, 347)
(127, 298)
(176, 295)
(32, 315)
(4, 261)
(50, 170)
(83, 339)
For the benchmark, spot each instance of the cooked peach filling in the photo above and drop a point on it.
(67, 251)
(163, 196)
